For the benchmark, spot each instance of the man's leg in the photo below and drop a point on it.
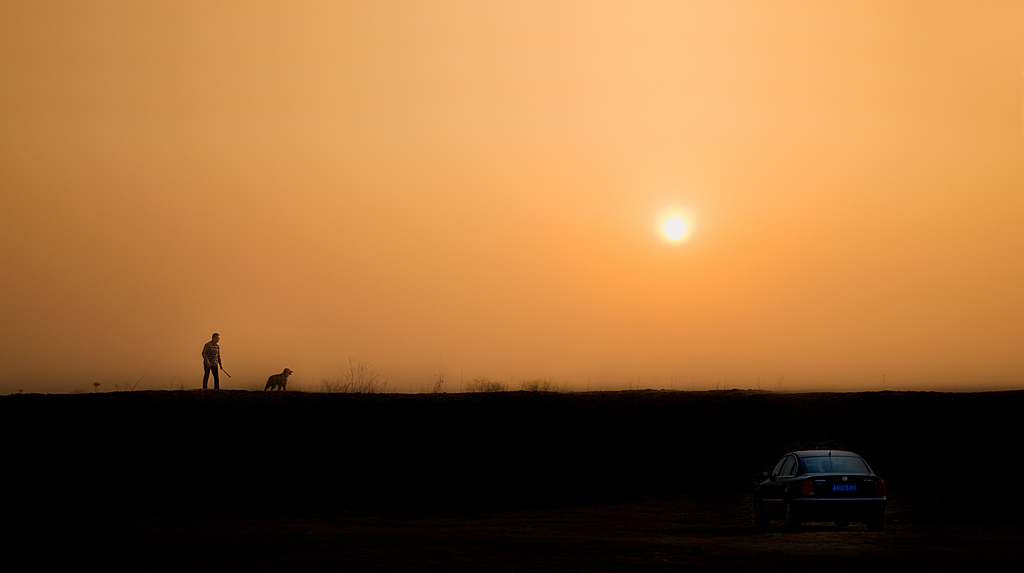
(206, 375)
(216, 378)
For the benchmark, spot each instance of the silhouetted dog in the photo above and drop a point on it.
(279, 380)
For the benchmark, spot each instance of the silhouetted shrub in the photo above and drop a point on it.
(538, 385)
(481, 384)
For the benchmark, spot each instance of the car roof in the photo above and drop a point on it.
(809, 453)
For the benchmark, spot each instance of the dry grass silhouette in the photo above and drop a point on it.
(440, 386)
(127, 387)
(359, 378)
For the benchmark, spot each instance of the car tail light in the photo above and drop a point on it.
(879, 487)
(807, 488)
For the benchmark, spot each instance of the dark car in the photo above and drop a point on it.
(821, 485)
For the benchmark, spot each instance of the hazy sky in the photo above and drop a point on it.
(477, 188)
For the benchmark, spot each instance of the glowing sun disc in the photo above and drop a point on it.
(674, 228)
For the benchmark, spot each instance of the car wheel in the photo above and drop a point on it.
(761, 520)
(792, 521)
(876, 523)
(843, 523)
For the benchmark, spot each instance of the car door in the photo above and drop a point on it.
(772, 490)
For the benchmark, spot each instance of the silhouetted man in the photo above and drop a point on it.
(211, 361)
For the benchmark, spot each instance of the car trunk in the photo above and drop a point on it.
(844, 485)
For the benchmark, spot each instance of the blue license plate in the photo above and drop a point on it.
(844, 487)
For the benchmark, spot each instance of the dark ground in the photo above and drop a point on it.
(602, 481)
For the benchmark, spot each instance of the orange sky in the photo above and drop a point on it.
(475, 188)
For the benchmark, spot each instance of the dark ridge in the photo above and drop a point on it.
(254, 453)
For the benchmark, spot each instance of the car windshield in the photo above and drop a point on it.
(835, 464)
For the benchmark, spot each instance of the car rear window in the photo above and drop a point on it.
(835, 464)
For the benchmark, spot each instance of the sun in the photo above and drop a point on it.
(674, 228)
(674, 224)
